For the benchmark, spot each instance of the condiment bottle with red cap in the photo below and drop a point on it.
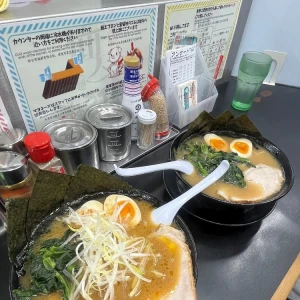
(153, 94)
(42, 154)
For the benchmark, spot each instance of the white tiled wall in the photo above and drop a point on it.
(274, 25)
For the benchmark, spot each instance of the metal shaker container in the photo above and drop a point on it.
(113, 123)
(12, 140)
(75, 143)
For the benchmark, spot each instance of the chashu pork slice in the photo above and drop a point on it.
(268, 178)
(185, 288)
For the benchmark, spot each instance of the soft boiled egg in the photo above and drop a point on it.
(216, 142)
(243, 147)
(92, 206)
(129, 213)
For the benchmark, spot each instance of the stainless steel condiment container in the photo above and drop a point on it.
(12, 140)
(75, 143)
(16, 178)
(13, 168)
(113, 123)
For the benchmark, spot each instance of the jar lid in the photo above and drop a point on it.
(132, 61)
(13, 168)
(147, 116)
(109, 116)
(149, 88)
(71, 134)
(39, 147)
(12, 140)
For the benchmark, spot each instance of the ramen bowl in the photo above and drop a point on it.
(213, 204)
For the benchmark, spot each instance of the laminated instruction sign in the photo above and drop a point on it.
(5, 123)
(59, 67)
(213, 22)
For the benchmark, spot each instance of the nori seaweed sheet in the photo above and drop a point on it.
(198, 125)
(90, 180)
(23, 215)
(48, 194)
(16, 213)
(225, 121)
(51, 191)
(221, 121)
(243, 124)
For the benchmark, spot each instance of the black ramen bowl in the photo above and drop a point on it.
(212, 204)
(137, 195)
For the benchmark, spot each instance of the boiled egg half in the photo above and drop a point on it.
(216, 142)
(90, 207)
(243, 147)
(128, 211)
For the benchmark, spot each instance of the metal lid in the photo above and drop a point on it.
(12, 140)
(13, 168)
(109, 116)
(70, 134)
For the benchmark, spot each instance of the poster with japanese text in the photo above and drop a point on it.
(212, 22)
(59, 67)
(5, 123)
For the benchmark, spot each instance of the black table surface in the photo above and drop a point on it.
(245, 263)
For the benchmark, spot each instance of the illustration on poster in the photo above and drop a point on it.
(136, 52)
(64, 81)
(116, 62)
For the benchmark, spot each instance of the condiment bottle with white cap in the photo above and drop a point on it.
(16, 178)
(146, 128)
(42, 154)
(132, 90)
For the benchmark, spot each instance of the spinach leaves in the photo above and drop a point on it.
(206, 159)
(46, 269)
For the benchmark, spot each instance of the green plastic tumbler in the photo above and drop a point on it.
(254, 68)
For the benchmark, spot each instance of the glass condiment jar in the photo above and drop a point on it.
(146, 128)
(42, 154)
(152, 93)
(16, 177)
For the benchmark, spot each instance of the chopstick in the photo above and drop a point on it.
(288, 281)
(215, 75)
(218, 67)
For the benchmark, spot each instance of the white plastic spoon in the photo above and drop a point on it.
(166, 213)
(178, 165)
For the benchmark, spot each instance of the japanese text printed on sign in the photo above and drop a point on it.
(181, 64)
(213, 22)
(60, 67)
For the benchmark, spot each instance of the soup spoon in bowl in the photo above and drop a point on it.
(178, 165)
(166, 213)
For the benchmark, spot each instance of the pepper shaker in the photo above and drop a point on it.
(146, 128)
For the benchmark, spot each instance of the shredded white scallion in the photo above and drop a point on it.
(106, 253)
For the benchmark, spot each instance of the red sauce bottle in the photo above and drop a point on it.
(42, 154)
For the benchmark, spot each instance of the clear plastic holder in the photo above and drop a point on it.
(206, 93)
